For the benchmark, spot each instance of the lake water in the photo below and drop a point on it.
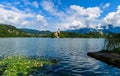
(71, 52)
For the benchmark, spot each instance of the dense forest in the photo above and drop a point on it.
(77, 35)
(11, 31)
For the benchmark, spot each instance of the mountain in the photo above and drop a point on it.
(105, 29)
(111, 29)
(83, 30)
(11, 31)
(33, 31)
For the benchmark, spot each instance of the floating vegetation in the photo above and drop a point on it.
(19, 65)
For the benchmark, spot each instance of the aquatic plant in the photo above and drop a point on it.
(14, 65)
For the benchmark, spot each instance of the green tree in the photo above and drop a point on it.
(112, 42)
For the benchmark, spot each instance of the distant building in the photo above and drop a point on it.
(57, 33)
(100, 31)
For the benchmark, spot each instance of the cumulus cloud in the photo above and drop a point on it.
(20, 18)
(118, 7)
(40, 18)
(1, 5)
(80, 17)
(113, 18)
(16, 3)
(106, 5)
(74, 17)
(50, 7)
(26, 2)
(91, 12)
(29, 3)
(35, 4)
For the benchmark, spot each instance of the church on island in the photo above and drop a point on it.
(57, 33)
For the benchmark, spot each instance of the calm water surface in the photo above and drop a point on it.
(72, 53)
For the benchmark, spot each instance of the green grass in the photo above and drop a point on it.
(13, 65)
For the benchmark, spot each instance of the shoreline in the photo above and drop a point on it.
(111, 58)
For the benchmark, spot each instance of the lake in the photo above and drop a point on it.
(72, 53)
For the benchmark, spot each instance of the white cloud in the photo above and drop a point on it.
(106, 5)
(50, 7)
(1, 5)
(118, 7)
(80, 17)
(91, 12)
(27, 2)
(28, 10)
(20, 18)
(40, 18)
(74, 17)
(113, 18)
(35, 4)
(16, 3)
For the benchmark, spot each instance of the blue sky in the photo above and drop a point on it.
(63, 14)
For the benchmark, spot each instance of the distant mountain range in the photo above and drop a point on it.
(11, 31)
(104, 29)
(33, 31)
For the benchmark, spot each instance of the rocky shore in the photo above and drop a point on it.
(110, 58)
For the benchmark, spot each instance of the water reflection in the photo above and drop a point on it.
(72, 52)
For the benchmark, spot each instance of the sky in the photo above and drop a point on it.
(63, 14)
